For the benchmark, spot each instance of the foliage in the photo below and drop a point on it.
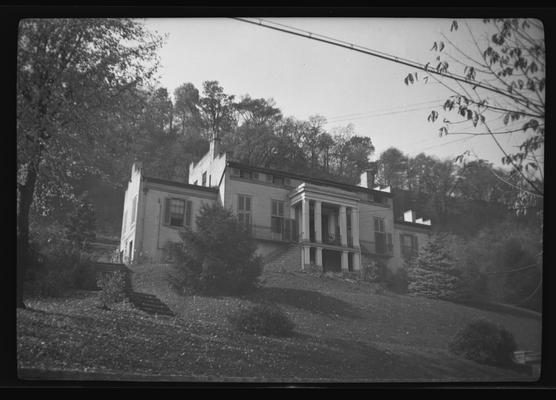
(370, 271)
(262, 319)
(503, 77)
(485, 342)
(434, 272)
(76, 80)
(112, 287)
(80, 230)
(394, 280)
(219, 258)
(57, 267)
(509, 258)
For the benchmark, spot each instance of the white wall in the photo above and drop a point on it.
(155, 235)
(133, 193)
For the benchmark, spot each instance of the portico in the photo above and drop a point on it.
(329, 227)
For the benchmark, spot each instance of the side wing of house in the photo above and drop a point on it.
(410, 238)
(128, 240)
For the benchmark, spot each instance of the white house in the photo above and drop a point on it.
(333, 225)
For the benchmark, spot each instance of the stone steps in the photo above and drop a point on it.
(289, 259)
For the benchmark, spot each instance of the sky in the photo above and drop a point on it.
(305, 77)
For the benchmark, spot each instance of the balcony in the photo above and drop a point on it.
(283, 232)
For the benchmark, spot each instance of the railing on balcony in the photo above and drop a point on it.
(285, 231)
(376, 248)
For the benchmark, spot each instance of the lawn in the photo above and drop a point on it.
(345, 332)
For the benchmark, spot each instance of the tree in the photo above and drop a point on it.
(501, 77)
(81, 226)
(220, 257)
(73, 77)
(217, 110)
(393, 168)
(434, 272)
(187, 109)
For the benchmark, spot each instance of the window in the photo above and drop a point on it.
(379, 225)
(268, 178)
(409, 245)
(177, 212)
(287, 181)
(277, 216)
(244, 211)
(277, 180)
(255, 175)
(204, 179)
(244, 174)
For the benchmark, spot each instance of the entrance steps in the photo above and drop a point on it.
(288, 259)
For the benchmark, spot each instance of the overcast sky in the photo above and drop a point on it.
(306, 77)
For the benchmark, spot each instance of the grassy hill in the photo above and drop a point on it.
(345, 331)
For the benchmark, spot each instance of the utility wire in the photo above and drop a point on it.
(386, 109)
(379, 115)
(361, 49)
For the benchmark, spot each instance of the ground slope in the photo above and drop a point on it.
(345, 331)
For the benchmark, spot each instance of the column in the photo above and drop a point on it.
(318, 222)
(345, 265)
(305, 219)
(355, 226)
(356, 261)
(343, 225)
(318, 256)
(305, 256)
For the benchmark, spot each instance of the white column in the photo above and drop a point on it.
(305, 219)
(318, 222)
(343, 225)
(305, 256)
(318, 256)
(355, 226)
(356, 261)
(345, 265)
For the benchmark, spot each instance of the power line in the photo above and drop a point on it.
(380, 114)
(387, 109)
(378, 54)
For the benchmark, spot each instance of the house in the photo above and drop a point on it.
(333, 225)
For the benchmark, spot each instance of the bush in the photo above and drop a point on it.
(220, 257)
(370, 272)
(262, 319)
(484, 342)
(57, 266)
(113, 287)
(396, 281)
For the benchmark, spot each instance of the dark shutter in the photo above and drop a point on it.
(415, 244)
(167, 211)
(188, 209)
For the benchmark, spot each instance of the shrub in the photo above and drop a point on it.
(370, 272)
(484, 342)
(220, 258)
(113, 287)
(262, 319)
(396, 281)
(57, 266)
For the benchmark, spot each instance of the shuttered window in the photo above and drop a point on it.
(244, 211)
(277, 216)
(409, 244)
(177, 212)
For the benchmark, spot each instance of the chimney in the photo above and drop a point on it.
(214, 146)
(136, 167)
(409, 216)
(367, 178)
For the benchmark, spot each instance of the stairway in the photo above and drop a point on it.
(150, 304)
(289, 259)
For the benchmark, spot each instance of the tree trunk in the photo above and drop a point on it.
(25, 200)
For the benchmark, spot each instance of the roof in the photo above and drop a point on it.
(413, 224)
(318, 181)
(179, 184)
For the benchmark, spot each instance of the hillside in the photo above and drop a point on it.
(345, 331)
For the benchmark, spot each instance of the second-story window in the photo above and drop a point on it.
(277, 180)
(204, 179)
(277, 216)
(244, 211)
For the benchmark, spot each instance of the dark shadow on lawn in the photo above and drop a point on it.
(308, 300)
(500, 309)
